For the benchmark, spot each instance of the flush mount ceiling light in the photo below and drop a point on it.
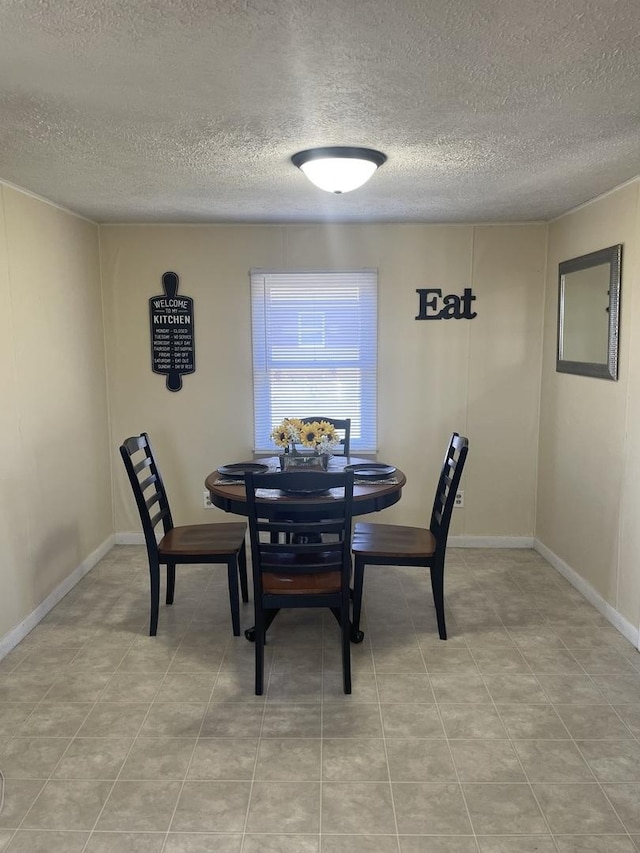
(338, 168)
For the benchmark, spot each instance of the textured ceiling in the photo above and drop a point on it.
(189, 111)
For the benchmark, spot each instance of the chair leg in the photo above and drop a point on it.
(358, 582)
(234, 601)
(345, 631)
(242, 563)
(171, 582)
(260, 638)
(437, 585)
(154, 579)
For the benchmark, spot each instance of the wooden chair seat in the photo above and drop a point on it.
(301, 584)
(202, 539)
(191, 543)
(392, 540)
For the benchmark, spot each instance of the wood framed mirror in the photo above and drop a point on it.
(589, 313)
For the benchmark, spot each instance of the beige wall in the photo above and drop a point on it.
(589, 463)
(55, 492)
(480, 377)
(61, 420)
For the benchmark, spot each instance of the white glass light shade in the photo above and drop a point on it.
(338, 169)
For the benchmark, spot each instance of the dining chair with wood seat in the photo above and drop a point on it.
(398, 545)
(301, 570)
(194, 543)
(342, 425)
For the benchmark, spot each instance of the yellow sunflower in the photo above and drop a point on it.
(280, 436)
(327, 429)
(310, 434)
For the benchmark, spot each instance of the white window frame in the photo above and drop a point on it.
(335, 376)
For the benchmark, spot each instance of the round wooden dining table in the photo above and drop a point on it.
(368, 496)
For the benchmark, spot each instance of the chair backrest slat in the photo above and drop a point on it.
(342, 425)
(134, 466)
(301, 547)
(452, 467)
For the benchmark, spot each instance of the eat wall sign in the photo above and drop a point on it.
(435, 306)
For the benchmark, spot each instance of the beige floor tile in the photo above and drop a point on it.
(626, 801)
(552, 761)
(437, 844)
(114, 720)
(577, 809)
(472, 721)
(619, 689)
(158, 758)
(593, 722)
(612, 761)
(31, 758)
(456, 689)
(223, 719)
(288, 760)
(140, 806)
(532, 721)
(354, 760)
(433, 809)
(223, 758)
(486, 761)
(420, 760)
(212, 807)
(517, 844)
(595, 844)
(174, 719)
(499, 809)
(118, 842)
(291, 720)
(284, 807)
(34, 841)
(414, 721)
(351, 721)
(294, 686)
(404, 687)
(67, 805)
(357, 808)
(176, 686)
(515, 687)
(281, 844)
(202, 842)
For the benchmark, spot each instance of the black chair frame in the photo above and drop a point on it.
(153, 506)
(448, 482)
(300, 551)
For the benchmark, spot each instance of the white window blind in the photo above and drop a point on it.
(315, 350)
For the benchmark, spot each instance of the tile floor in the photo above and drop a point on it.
(519, 734)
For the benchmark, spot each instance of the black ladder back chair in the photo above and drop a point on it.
(195, 543)
(301, 570)
(397, 545)
(342, 425)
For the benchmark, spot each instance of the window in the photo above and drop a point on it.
(315, 350)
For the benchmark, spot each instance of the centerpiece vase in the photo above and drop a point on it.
(292, 459)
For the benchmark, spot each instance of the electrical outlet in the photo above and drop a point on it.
(206, 500)
(459, 501)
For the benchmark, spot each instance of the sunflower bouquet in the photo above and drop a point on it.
(319, 436)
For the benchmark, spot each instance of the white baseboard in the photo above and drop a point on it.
(11, 640)
(610, 613)
(490, 542)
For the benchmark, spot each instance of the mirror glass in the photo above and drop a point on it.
(588, 313)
